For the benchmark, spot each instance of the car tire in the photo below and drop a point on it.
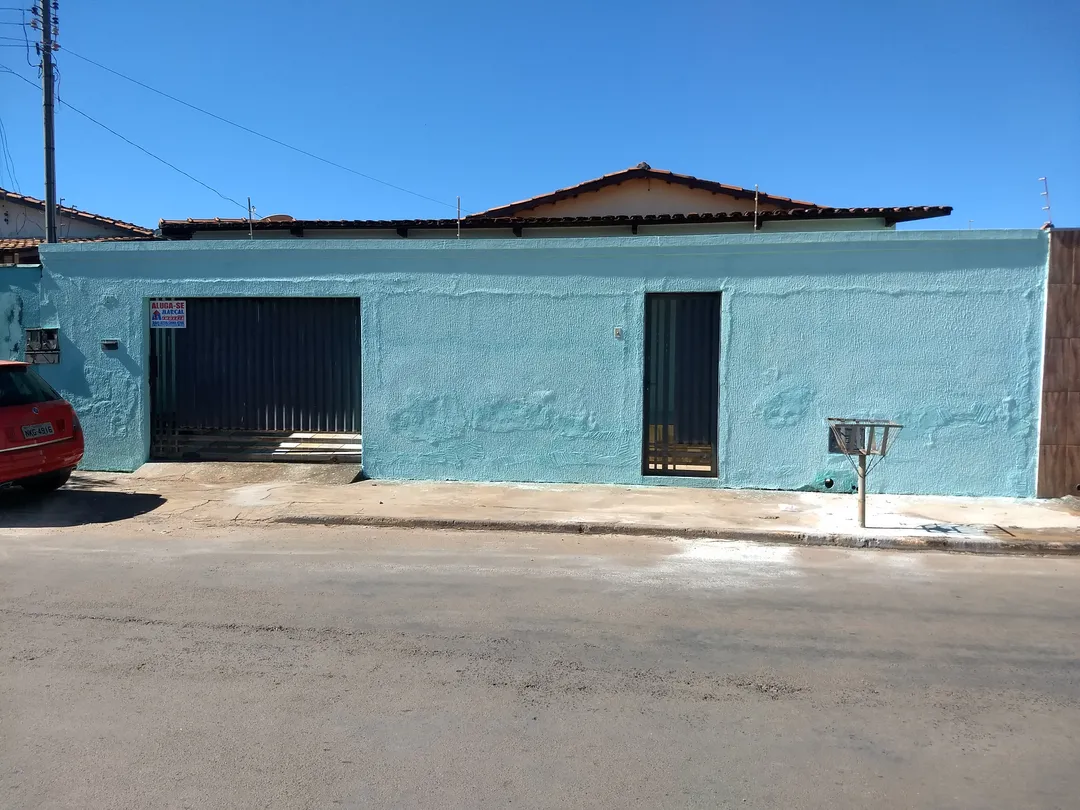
(41, 484)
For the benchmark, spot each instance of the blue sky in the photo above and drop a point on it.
(848, 103)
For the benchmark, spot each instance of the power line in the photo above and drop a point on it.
(127, 140)
(8, 162)
(26, 39)
(251, 131)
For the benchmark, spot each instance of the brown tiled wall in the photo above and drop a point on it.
(1059, 437)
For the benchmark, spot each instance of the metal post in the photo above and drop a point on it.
(459, 217)
(47, 105)
(862, 490)
(1046, 193)
(251, 226)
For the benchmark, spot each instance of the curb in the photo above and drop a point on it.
(969, 544)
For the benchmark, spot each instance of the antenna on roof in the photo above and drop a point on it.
(251, 228)
(755, 207)
(459, 216)
(1046, 193)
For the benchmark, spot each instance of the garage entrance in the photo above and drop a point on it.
(255, 379)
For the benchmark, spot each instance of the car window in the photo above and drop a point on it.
(23, 386)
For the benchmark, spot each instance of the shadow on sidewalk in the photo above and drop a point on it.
(74, 506)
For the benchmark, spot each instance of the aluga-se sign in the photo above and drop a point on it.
(168, 314)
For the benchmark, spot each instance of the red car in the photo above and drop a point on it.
(41, 440)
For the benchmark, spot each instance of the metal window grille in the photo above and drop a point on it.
(43, 346)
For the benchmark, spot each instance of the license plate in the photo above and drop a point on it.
(37, 431)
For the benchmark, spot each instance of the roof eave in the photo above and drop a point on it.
(185, 229)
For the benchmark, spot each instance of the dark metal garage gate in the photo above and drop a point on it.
(258, 379)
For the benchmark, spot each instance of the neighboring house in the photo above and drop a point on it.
(640, 201)
(643, 191)
(22, 227)
(22, 230)
(23, 217)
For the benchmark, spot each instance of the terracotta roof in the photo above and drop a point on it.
(184, 228)
(74, 213)
(33, 242)
(27, 249)
(641, 171)
(19, 244)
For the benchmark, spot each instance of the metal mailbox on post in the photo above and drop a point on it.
(858, 439)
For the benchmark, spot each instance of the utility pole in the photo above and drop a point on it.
(48, 105)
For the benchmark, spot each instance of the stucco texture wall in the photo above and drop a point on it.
(18, 308)
(496, 360)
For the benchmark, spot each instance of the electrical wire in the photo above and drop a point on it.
(258, 134)
(26, 40)
(5, 165)
(130, 142)
(8, 161)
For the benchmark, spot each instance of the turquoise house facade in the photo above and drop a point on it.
(523, 360)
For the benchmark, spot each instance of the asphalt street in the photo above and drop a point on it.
(353, 667)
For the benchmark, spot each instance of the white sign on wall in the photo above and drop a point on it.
(168, 314)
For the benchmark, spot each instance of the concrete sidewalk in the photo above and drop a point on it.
(169, 495)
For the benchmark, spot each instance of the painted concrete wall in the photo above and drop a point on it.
(496, 360)
(18, 308)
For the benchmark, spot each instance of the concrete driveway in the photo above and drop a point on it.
(151, 666)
